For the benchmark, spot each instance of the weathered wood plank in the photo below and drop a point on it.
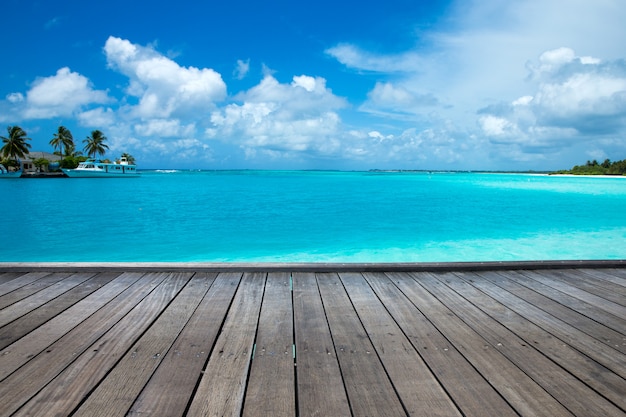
(28, 304)
(21, 385)
(590, 327)
(472, 393)
(587, 283)
(31, 288)
(9, 276)
(170, 389)
(24, 280)
(530, 347)
(62, 326)
(573, 303)
(271, 386)
(504, 344)
(524, 394)
(419, 390)
(68, 389)
(369, 389)
(609, 275)
(162, 315)
(222, 387)
(29, 322)
(617, 274)
(320, 387)
(605, 280)
(22, 326)
(546, 277)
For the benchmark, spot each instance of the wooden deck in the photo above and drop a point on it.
(254, 342)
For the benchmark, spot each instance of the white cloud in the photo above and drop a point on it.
(97, 118)
(163, 87)
(282, 118)
(497, 126)
(575, 99)
(242, 69)
(400, 99)
(164, 128)
(59, 95)
(509, 73)
(354, 57)
(15, 97)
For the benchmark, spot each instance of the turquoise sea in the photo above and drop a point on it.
(313, 216)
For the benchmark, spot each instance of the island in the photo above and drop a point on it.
(594, 168)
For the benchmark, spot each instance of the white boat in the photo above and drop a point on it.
(94, 169)
(4, 173)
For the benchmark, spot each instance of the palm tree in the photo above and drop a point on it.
(129, 158)
(95, 144)
(15, 145)
(63, 140)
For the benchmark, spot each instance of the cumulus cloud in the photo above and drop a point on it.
(509, 74)
(164, 128)
(575, 98)
(284, 118)
(59, 95)
(163, 87)
(97, 118)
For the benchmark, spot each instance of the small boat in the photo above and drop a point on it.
(5, 173)
(94, 169)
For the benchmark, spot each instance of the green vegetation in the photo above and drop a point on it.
(16, 144)
(129, 158)
(64, 141)
(41, 162)
(94, 144)
(594, 168)
(72, 161)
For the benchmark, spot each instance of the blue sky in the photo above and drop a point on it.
(400, 84)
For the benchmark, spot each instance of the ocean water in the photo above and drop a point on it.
(313, 216)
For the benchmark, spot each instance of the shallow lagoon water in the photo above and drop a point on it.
(313, 216)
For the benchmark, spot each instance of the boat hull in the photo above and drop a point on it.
(9, 175)
(79, 173)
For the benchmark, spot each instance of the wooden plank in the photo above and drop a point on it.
(590, 327)
(271, 386)
(587, 283)
(158, 319)
(26, 305)
(169, 390)
(525, 395)
(222, 387)
(22, 326)
(419, 390)
(24, 349)
(369, 389)
(605, 280)
(24, 279)
(472, 393)
(617, 273)
(576, 304)
(22, 384)
(9, 276)
(320, 387)
(32, 288)
(529, 346)
(546, 277)
(609, 275)
(70, 386)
